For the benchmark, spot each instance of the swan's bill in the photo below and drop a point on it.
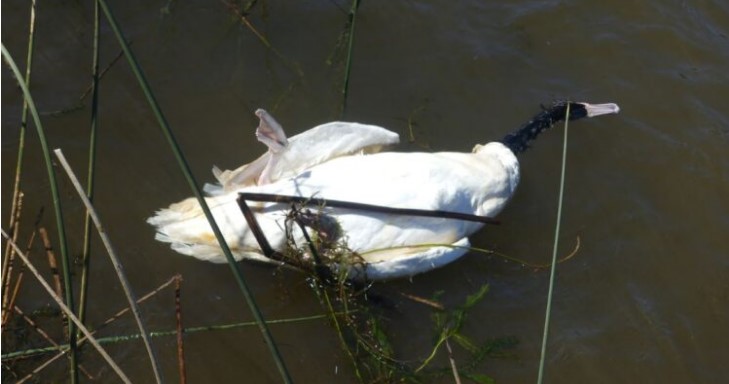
(600, 109)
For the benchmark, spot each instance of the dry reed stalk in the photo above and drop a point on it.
(10, 371)
(80, 103)
(49, 339)
(36, 371)
(7, 270)
(68, 311)
(115, 262)
(35, 326)
(116, 58)
(13, 228)
(139, 301)
(422, 300)
(7, 315)
(107, 322)
(454, 369)
(178, 317)
(52, 262)
(243, 16)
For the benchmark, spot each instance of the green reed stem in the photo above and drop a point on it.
(184, 166)
(548, 311)
(73, 364)
(86, 260)
(350, 50)
(136, 336)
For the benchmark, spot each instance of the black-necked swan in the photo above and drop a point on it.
(326, 162)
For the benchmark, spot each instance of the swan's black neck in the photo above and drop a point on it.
(519, 141)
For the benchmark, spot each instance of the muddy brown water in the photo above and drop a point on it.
(646, 298)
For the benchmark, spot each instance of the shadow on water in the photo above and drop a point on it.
(645, 298)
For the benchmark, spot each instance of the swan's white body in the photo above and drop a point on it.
(325, 163)
(478, 183)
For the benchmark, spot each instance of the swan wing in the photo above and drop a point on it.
(329, 141)
(244, 176)
(270, 132)
(288, 157)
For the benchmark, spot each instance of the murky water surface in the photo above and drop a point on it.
(646, 298)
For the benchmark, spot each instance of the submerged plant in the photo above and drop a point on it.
(358, 319)
(361, 325)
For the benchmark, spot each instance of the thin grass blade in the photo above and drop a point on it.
(553, 268)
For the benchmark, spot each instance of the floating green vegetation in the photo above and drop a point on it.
(363, 333)
(353, 307)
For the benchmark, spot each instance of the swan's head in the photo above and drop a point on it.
(519, 141)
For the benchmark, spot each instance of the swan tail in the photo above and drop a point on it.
(184, 226)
